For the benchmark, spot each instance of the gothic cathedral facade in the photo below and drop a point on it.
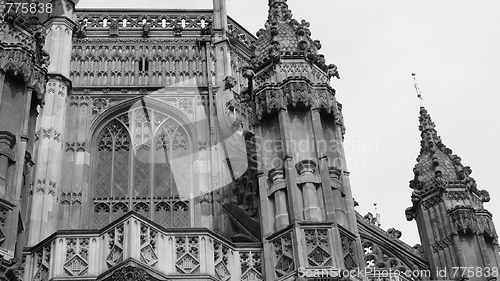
(164, 145)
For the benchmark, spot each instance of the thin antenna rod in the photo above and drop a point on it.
(419, 93)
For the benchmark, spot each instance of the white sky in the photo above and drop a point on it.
(453, 46)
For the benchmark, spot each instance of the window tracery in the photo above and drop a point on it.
(133, 169)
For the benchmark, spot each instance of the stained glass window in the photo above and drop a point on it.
(133, 170)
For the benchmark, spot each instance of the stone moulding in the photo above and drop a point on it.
(292, 93)
(157, 19)
(20, 61)
(7, 142)
(117, 236)
(465, 218)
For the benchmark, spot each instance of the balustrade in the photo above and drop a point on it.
(132, 240)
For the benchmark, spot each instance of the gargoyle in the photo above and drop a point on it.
(244, 95)
(247, 72)
(416, 196)
(229, 82)
(332, 71)
(410, 215)
(485, 196)
(317, 44)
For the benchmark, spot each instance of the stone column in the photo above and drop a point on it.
(203, 209)
(58, 43)
(338, 190)
(79, 181)
(278, 190)
(7, 155)
(349, 201)
(48, 161)
(2, 81)
(308, 180)
(330, 203)
(8, 224)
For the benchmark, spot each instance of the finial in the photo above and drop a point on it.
(377, 216)
(419, 94)
(272, 2)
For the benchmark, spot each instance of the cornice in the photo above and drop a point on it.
(61, 78)
(60, 20)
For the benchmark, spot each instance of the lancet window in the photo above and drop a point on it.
(142, 163)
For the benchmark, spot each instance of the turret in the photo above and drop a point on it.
(23, 69)
(307, 211)
(51, 122)
(456, 231)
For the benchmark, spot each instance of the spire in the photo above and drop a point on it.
(436, 163)
(437, 167)
(285, 37)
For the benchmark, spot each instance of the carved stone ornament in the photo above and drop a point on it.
(146, 28)
(332, 71)
(292, 93)
(21, 62)
(229, 82)
(394, 233)
(130, 274)
(409, 213)
(81, 30)
(418, 248)
(463, 219)
(7, 142)
(485, 196)
(442, 244)
(376, 257)
(178, 31)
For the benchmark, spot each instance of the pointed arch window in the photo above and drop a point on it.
(142, 164)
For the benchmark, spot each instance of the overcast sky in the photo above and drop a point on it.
(453, 46)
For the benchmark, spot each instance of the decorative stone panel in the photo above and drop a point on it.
(348, 249)
(283, 255)
(77, 257)
(148, 245)
(318, 247)
(221, 261)
(147, 62)
(42, 264)
(115, 238)
(442, 244)
(251, 266)
(188, 254)
(3, 222)
(111, 255)
(130, 274)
